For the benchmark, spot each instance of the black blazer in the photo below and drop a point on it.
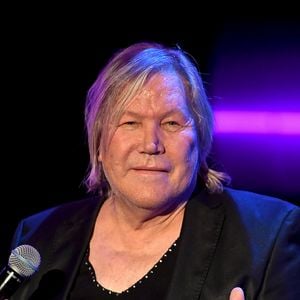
(236, 238)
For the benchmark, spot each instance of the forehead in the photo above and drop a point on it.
(162, 89)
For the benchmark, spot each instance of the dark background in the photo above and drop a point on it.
(50, 59)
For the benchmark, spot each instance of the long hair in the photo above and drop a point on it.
(120, 80)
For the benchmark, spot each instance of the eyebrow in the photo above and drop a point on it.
(165, 114)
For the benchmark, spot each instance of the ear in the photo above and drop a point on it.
(99, 156)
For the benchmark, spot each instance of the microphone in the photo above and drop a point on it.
(23, 262)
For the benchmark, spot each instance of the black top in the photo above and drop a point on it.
(154, 285)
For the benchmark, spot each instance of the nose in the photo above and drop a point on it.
(152, 140)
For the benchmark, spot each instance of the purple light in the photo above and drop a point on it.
(258, 122)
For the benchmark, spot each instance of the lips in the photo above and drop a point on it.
(151, 169)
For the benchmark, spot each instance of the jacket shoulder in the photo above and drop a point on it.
(256, 208)
(64, 210)
(251, 198)
(50, 219)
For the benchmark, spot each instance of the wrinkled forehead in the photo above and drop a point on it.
(162, 85)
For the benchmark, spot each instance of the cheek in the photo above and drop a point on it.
(117, 151)
(189, 146)
(191, 154)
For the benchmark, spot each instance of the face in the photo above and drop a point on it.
(151, 160)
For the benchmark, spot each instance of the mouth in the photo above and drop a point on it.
(150, 170)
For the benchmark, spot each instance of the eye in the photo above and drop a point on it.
(171, 125)
(129, 124)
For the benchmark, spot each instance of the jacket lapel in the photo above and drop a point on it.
(201, 229)
(72, 244)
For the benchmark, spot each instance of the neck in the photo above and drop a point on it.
(143, 223)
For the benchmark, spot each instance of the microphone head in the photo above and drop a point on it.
(25, 260)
